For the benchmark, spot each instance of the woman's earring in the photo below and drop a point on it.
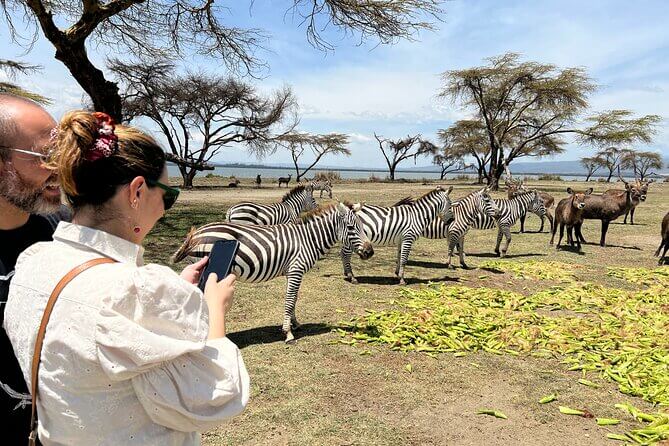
(134, 204)
(136, 229)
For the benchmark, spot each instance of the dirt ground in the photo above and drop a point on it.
(321, 392)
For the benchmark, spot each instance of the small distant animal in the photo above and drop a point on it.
(258, 181)
(234, 183)
(665, 240)
(323, 186)
(285, 180)
(569, 213)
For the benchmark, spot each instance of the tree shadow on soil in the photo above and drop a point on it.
(272, 333)
(608, 245)
(391, 280)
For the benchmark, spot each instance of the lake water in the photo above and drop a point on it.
(272, 174)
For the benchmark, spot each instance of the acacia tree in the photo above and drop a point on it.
(297, 144)
(467, 138)
(448, 163)
(526, 107)
(592, 164)
(200, 114)
(13, 68)
(396, 151)
(174, 28)
(611, 159)
(641, 162)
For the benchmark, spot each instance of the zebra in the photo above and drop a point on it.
(400, 225)
(515, 187)
(465, 213)
(323, 186)
(298, 199)
(267, 252)
(509, 212)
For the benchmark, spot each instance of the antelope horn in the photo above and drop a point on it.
(620, 176)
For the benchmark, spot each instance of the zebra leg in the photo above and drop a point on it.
(522, 223)
(294, 279)
(461, 248)
(346, 261)
(499, 239)
(506, 230)
(404, 250)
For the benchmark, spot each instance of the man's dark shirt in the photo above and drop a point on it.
(12, 243)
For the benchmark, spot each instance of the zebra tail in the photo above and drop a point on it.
(186, 247)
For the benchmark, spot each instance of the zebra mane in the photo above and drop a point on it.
(294, 191)
(411, 200)
(404, 201)
(322, 210)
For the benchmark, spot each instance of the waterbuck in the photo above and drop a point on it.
(665, 240)
(569, 213)
(607, 207)
(642, 188)
(286, 180)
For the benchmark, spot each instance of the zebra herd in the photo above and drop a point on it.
(287, 238)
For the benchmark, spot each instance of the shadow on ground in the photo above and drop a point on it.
(272, 333)
(392, 280)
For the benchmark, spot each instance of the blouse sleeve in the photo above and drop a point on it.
(154, 333)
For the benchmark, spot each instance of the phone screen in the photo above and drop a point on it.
(220, 260)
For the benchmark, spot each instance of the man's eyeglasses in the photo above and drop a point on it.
(170, 195)
(37, 156)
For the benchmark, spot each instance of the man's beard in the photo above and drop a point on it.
(20, 193)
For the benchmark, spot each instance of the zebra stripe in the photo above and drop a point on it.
(323, 186)
(465, 212)
(510, 210)
(400, 225)
(298, 199)
(267, 252)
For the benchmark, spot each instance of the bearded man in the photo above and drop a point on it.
(29, 210)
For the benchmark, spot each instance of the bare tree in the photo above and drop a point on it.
(12, 68)
(467, 138)
(642, 162)
(174, 28)
(396, 151)
(200, 114)
(592, 164)
(318, 145)
(526, 107)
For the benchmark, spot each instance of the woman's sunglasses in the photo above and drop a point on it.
(170, 195)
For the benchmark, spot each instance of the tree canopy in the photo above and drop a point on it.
(148, 30)
(526, 108)
(399, 150)
(12, 68)
(318, 145)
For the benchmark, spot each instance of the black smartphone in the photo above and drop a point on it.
(220, 260)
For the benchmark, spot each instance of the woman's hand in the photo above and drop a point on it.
(219, 296)
(192, 272)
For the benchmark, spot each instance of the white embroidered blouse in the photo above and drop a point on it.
(125, 360)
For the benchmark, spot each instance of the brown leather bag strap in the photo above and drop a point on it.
(42, 328)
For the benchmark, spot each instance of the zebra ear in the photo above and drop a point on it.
(448, 192)
(357, 207)
(341, 207)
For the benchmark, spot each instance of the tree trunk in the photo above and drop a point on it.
(443, 174)
(608, 180)
(481, 174)
(588, 177)
(494, 175)
(103, 93)
(392, 173)
(188, 179)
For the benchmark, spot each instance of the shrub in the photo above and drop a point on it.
(550, 177)
(374, 179)
(462, 177)
(327, 175)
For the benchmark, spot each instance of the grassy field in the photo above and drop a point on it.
(322, 392)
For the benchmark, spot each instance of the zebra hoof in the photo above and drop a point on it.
(290, 339)
(353, 280)
(402, 282)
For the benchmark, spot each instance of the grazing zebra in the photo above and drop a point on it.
(465, 213)
(509, 212)
(298, 199)
(400, 225)
(267, 252)
(323, 186)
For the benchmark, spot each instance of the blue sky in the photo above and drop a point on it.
(391, 90)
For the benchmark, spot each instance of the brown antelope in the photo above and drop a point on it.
(569, 213)
(514, 187)
(285, 180)
(607, 207)
(665, 240)
(642, 188)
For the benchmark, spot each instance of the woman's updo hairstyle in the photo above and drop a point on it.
(93, 157)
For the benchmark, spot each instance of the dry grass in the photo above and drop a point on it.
(321, 392)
